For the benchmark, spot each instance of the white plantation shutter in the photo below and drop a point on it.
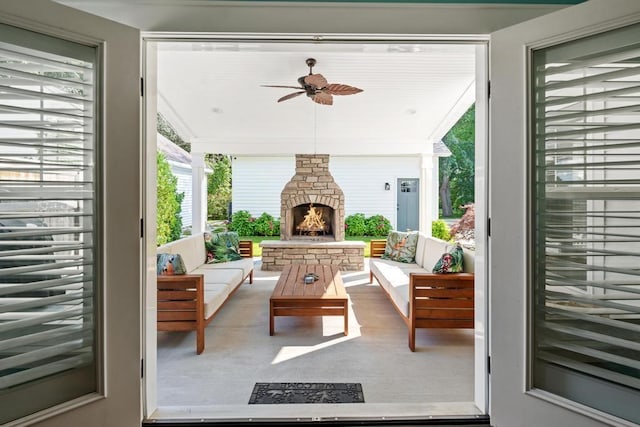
(48, 221)
(586, 221)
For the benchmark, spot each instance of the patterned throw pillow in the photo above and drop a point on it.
(401, 246)
(450, 262)
(168, 264)
(222, 247)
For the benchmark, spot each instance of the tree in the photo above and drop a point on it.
(457, 172)
(169, 227)
(219, 187)
(165, 129)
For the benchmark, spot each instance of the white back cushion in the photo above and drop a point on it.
(422, 241)
(191, 249)
(434, 249)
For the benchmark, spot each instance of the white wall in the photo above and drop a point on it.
(258, 182)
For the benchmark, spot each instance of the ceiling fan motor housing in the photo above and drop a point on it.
(310, 90)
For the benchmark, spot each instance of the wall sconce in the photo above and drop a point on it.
(387, 186)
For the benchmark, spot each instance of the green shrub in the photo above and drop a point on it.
(440, 230)
(355, 225)
(169, 222)
(219, 187)
(378, 226)
(266, 225)
(242, 223)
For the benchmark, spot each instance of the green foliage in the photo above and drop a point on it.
(169, 225)
(219, 187)
(457, 172)
(440, 230)
(378, 226)
(165, 129)
(355, 225)
(242, 223)
(266, 225)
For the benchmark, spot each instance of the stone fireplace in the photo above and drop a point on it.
(312, 186)
(312, 221)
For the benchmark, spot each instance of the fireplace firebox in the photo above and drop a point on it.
(311, 220)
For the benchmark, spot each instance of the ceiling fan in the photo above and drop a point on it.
(317, 88)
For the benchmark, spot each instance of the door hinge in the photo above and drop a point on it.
(488, 364)
(489, 89)
(141, 86)
(142, 228)
(141, 368)
(488, 227)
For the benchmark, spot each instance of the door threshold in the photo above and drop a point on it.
(399, 414)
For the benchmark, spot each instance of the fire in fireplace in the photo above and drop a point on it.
(310, 220)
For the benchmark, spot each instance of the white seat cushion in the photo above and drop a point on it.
(217, 276)
(388, 275)
(245, 265)
(400, 296)
(214, 297)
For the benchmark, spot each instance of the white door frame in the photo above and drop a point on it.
(481, 379)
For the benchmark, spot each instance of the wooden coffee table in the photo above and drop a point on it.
(324, 297)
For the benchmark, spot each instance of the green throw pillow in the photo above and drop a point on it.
(450, 262)
(168, 264)
(401, 246)
(222, 247)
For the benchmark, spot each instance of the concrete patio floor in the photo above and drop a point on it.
(436, 380)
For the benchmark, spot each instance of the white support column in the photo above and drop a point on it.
(426, 198)
(435, 187)
(198, 193)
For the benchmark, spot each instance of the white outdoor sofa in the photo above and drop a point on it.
(422, 298)
(188, 302)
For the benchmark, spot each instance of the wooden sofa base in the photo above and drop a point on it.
(181, 305)
(440, 301)
(435, 300)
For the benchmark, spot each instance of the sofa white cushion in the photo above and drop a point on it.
(420, 248)
(468, 261)
(394, 280)
(388, 273)
(225, 277)
(245, 265)
(399, 293)
(190, 248)
(214, 297)
(434, 249)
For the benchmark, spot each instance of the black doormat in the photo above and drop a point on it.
(269, 393)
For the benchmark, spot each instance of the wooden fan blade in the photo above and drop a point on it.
(340, 89)
(323, 98)
(316, 80)
(291, 95)
(286, 87)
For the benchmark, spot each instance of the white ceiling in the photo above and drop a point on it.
(412, 94)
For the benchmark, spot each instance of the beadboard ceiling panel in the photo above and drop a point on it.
(212, 93)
